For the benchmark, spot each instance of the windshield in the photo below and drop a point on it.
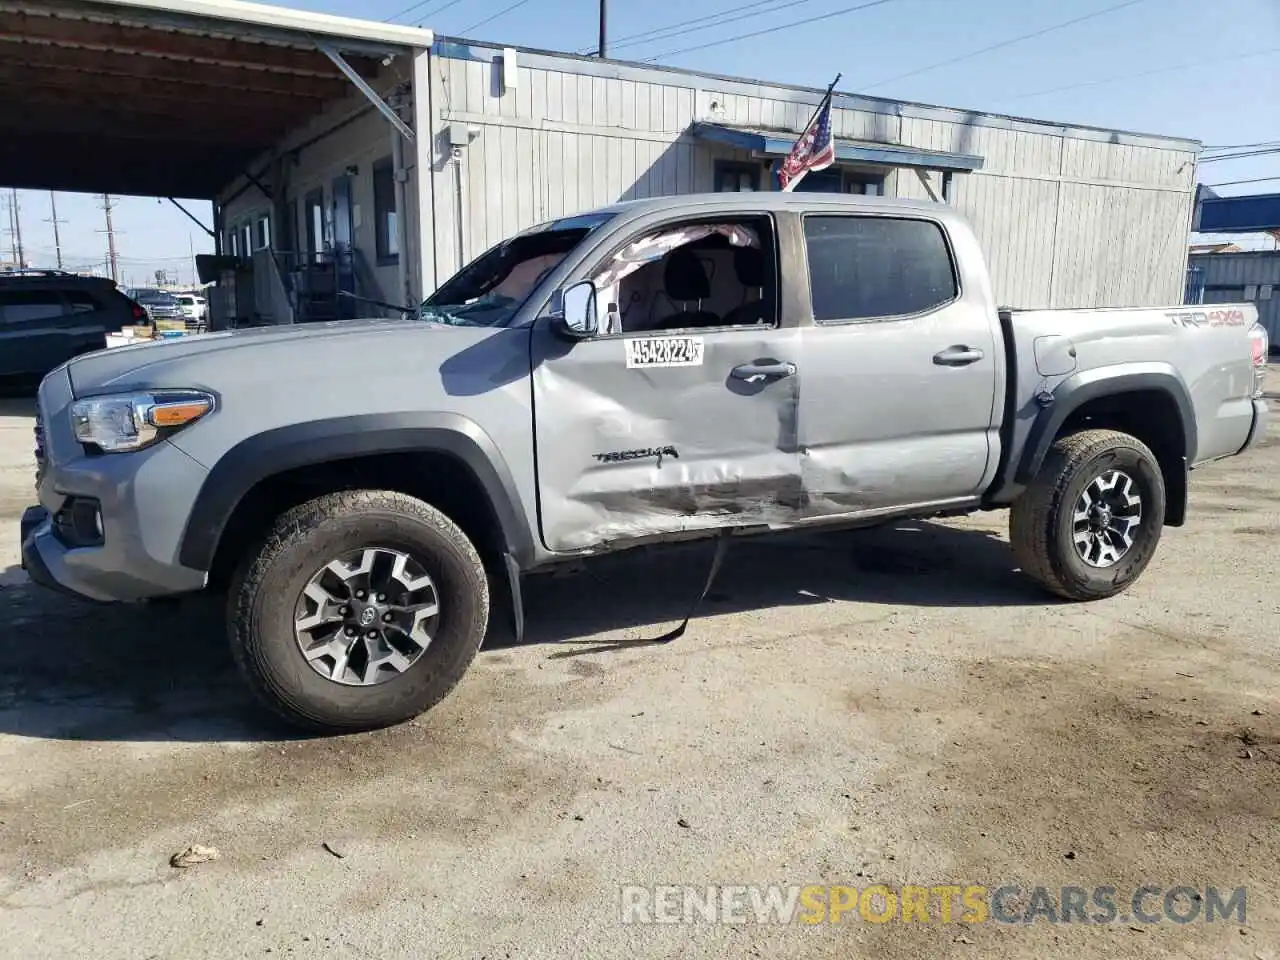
(154, 296)
(490, 290)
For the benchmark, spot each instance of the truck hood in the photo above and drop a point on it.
(155, 363)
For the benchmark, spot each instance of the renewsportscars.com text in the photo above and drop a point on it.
(935, 903)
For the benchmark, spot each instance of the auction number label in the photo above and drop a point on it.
(664, 352)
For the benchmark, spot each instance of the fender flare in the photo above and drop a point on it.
(266, 454)
(1078, 389)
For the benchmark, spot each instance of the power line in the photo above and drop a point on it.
(760, 33)
(423, 3)
(716, 20)
(501, 13)
(1150, 73)
(1232, 183)
(1238, 156)
(1005, 43)
(1244, 146)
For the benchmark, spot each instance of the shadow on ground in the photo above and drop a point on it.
(161, 672)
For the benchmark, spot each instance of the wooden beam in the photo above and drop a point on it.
(108, 63)
(171, 45)
(161, 130)
(141, 108)
(16, 81)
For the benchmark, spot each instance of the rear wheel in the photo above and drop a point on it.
(362, 609)
(1088, 524)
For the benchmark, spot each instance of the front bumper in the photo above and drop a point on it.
(108, 573)
(140, 502)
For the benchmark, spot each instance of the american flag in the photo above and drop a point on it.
(815, 150)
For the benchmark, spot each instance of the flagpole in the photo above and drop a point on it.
(821, 103)
(825, 97)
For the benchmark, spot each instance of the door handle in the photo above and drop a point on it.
(762, 371)
(958, 356)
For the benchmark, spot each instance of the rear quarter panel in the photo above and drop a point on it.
(1205, 347)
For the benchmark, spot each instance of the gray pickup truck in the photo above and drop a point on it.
(654, 371)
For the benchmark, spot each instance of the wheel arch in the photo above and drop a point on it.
(447, 442)
(1149, 401)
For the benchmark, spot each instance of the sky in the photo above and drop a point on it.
(1204, 70)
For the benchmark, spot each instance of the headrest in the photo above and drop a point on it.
(684, 277)
(748, 264)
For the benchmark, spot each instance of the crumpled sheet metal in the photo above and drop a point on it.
(634, 462)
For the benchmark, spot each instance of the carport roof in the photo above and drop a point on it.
(167, 97)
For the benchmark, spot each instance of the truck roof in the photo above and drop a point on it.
(777, 200)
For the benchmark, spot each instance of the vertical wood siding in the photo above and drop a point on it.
(1063, 221)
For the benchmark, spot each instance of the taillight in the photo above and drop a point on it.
(139, 313)
(1260, 344)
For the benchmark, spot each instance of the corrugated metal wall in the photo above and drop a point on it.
(1064, 221)
(1239, 270)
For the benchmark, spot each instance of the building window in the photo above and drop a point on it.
(863, 268)
(246, 239)
(262, 232)
(836, 180)
(864, 183)
(386, 240)
(314, 203)
(735, 177)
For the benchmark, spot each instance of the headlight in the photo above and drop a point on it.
(131, 421)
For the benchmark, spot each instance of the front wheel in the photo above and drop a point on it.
(362, 609)
(1088, 524)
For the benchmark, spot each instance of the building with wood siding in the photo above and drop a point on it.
(1069, 216)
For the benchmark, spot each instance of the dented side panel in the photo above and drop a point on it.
(677, 444)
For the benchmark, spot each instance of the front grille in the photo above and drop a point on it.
(40, 445)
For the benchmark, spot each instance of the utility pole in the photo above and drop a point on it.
(112, 261)
(57, 238)
(604, 10)
(13, 243)
(15, 216)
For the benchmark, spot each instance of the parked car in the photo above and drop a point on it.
(655, 371)
(159, 304)
(50, 316)
(194, 308)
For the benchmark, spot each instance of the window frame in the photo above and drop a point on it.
(313, 233)
(948, 245)
(629, 234)
(262, 232)
(384, 234)
(54, 296)
(723, 168)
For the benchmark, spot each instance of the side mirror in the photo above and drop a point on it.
(577, 315)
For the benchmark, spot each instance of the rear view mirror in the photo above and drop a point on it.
(578, 318)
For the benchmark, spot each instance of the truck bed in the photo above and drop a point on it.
(1201, 350)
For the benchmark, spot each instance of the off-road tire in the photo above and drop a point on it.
(1040, 522)
(265, 589)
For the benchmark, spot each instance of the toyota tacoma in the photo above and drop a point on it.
(654, 371)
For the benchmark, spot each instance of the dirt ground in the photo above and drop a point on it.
(894, 706)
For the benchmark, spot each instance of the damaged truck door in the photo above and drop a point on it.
(902, 365)
(675, 408)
